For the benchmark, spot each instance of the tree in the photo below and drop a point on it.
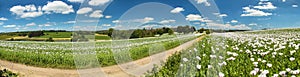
(170, 31)
(208, 31)
(50, 39)
(110, 32)
(160, 31)
(201, 30)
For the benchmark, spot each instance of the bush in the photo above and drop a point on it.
(50, 39)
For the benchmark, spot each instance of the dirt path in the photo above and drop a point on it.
(130, 69)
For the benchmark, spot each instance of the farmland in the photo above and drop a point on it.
(271, 53)
(60, 54)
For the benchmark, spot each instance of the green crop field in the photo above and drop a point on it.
(60, 54)
(56, 35)
(273, 53)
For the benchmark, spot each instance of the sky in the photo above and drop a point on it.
(31, 15)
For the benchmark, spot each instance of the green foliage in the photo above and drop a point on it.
(50, 39)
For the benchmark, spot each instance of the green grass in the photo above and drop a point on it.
(104, 37)
(56, 35)
(4, 37)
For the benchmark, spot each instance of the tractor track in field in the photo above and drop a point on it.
(120, 70)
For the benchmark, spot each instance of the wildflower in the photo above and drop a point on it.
(221, 74)
(185, 59)
(264, 61)
(230, 58)
(198, 66)
(197, 57)
(275, 75)
(288, 69)
(252, 59)
(253, 72)
(292, 59)
(209, 66)
(269, 65)
(282, 73)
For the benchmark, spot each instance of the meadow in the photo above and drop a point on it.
(61, 54)
(271, 53)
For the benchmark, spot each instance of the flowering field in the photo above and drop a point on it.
(272, 53)
(60, 54)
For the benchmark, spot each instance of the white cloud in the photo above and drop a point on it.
(98, 2)
(253, 24)
(177, 10)
(9, 26)
(233, 21)
(116, 21)
(76, 1)
(167, 21)
(148, 19)
(96, 14)
(27, 11)
(142, 20)
(69, 22)
(58, 7)
(31, 24)
(3, 19)
(254, 12)
(108, 16)
(106, 25)
(47, 24)
(223, 15)
(265, 5)
(84, 10)
(283, 0)
(295, 6)
(228, 26)
(194, 17)
(203, 1)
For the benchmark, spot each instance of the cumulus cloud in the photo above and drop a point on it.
(142, 20)
(31, 11)
(3, 19)
(27, 11)
(228, 26)
(116, 21)
(69, 22)
(84, 10)
(194, 17)
(203, 2)
(98, 2)
(177, 10)
(106, 25)
(76, 1)
(31, 24)
(167, 21)
(108, 16)
(96, 14)
(265, 5)
(233, 21)
(223, 15)
(58, 7)
(253, 12)
(283, 0)
(295, 6)
(9, 26)
(253, 24)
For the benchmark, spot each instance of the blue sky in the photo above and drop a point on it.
(23, 15)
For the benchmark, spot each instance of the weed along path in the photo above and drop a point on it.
(130, 69)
